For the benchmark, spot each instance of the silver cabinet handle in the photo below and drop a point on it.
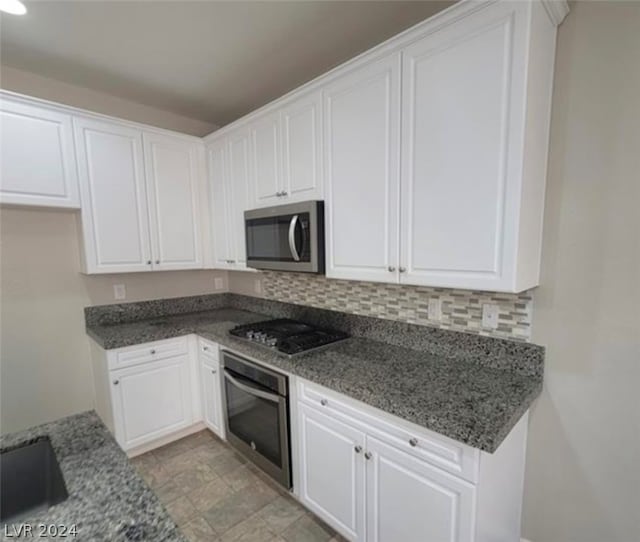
(116, 382)
(148, 262)
(153, 351)
(357, 449)
(213, 371)
(324, 402)
(391, 269)
(284, 193)
(368, 455)
(157, 262)
(413, 442)
(292, 238)
(231, 261)
(402, 269)
(205, 348)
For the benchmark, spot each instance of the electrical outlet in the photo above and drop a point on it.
(257, 286)
(490, 316)
(119, 291)
(435, 309)
(218, 283)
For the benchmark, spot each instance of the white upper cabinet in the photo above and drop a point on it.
(229, 167)
(361, 154)
(239, 178)
(462, 133)
(115, 219)
(469, 174)
(137, 218)
(301, 129)
(172, 167)
(38, 164)
(265, 159)
(219, 199)
(286, 152)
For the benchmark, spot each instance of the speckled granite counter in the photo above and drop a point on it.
(472, 389)
(107, 498)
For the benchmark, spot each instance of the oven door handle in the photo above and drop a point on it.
(292, 238)
(251, 390)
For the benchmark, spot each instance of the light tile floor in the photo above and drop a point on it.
(214, 494)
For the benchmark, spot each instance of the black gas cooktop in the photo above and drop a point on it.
(288, 336)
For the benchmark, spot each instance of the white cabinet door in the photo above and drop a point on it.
(219, 203)
(115, 221)
(362, 128)
(172, 168)
(265, 159)
(410, 500)
(238, 188)
(151, 400)
(211, 395)
(332, 471)
(37, 166)
(458, 144)
(301, 125)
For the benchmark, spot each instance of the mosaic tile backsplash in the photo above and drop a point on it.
(461, 309)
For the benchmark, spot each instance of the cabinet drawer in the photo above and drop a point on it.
(208, 349)
(144, 353)
(443, 452)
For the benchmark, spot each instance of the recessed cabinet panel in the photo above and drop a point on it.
(434, 506)
(219, 198)
(301, 137)
(151, 400)
(239, 171)
(172, 173)
(362, 125)
(38, 158)
(265, 156)
(457, 87)
(211, 396)
(114, 206)
(332, 471)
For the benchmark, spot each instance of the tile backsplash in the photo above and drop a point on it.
(461, 309)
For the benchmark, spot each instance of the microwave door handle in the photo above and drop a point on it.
(292, 238)
(252, 391)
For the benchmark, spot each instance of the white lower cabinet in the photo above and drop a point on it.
(211, 387)
(376, 478)
(332, 471)
(410, 500)
(151, 400)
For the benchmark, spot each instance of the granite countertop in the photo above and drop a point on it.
(107, 498)
(466, 401)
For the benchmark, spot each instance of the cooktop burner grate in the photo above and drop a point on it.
(288, 336)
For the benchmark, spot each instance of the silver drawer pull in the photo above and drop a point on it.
(116, 382)
(153, 351)
(368, 455)
(357, 449)
(213, 371)
(324, 402)
(413, 442)
(205, 348)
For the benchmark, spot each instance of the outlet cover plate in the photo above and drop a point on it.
(435, 309)
(218, 283)
(490, 316)
(119, 291)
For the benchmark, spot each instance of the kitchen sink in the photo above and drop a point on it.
(30, 480)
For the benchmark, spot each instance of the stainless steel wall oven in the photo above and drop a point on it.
(256, 412)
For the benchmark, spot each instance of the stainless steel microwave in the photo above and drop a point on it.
(286, 237)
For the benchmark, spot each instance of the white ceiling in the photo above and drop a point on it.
(209, 60)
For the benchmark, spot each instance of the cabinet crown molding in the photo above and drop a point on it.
(557, 10)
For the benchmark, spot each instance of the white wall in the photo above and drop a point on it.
(57, 91)
(583, 477)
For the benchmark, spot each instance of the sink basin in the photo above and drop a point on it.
(30, 480)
